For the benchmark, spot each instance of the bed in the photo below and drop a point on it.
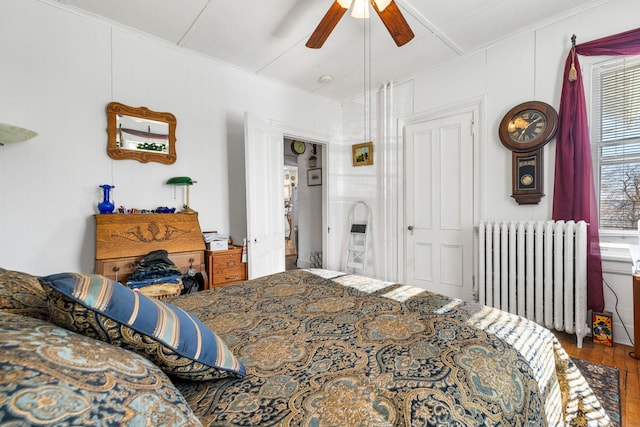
(324, 348)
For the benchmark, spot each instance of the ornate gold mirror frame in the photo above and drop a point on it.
(140, 134)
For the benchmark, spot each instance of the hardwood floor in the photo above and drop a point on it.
(291, 256)
(618, 357)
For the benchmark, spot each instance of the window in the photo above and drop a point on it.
(616, 142)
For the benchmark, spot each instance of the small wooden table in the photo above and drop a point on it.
(224, 267)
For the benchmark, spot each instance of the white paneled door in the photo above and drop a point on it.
(439, 205)
(263, 169)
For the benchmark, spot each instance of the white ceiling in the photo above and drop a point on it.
(268, 37)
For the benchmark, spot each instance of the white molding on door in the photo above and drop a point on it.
(477, 107)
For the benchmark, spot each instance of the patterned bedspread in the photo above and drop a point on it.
(328, 349)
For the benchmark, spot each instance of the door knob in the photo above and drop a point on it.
(410, 228)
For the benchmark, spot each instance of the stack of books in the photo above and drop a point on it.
(215, 241)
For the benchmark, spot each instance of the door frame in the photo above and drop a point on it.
(323, 141)
(477, 107)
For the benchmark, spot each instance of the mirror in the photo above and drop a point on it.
(140, 134)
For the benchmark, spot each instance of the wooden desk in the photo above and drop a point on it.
(122, 239)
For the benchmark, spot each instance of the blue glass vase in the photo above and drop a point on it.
(105, 206)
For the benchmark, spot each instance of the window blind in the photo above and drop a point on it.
(616, 141)
(619, 102)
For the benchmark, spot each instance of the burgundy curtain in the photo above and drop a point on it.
(574, 190)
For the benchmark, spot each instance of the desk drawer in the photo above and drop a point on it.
(221, 263)
(120, 268)
(229, 275)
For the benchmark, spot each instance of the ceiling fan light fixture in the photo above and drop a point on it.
(10, 133)
(325, 79)
(387, 10)
(360, 9)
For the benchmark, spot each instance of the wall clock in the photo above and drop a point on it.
(528, 126)
(524, 130)
(298, 147)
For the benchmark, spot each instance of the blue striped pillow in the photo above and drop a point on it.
(173, 339)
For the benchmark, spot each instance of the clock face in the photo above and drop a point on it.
(298, 147)
(527, 126)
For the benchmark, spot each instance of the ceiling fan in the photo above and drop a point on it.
(387, 10)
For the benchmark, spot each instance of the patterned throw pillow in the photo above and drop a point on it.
(22, 294)
(173, 339)
(53, 376)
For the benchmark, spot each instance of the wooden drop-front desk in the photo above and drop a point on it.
(122, 239)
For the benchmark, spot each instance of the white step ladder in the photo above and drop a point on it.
(358, 233)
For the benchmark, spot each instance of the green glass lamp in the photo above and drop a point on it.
(187, 183)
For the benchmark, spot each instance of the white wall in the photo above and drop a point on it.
(525, 67)
(58, 71)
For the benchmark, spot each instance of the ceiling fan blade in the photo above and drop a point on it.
(395, 23)
(324, 28)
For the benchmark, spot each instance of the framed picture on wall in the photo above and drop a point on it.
(362, 154)
(314, 177)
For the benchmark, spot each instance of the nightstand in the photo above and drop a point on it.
(224, 267)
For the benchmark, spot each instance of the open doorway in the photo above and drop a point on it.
(263, 166)
(290, 202)
(303, 204)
